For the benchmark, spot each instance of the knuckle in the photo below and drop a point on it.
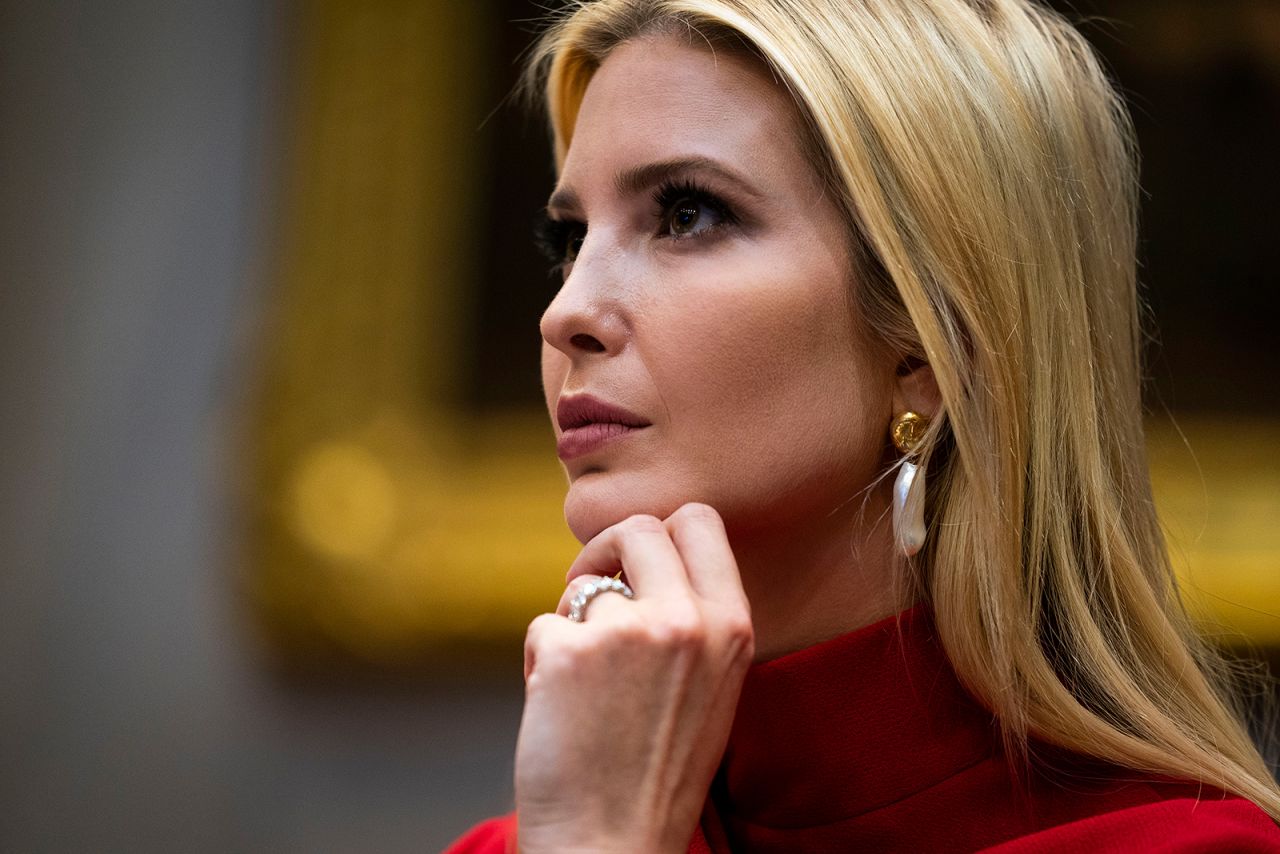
(696, 511)
(742, 640)
(679, 630)
(736, 631)
(537, 628)
(739, 628)
(554, 665)
(562, 660)
(631, 633)
(641, 523)
(745, 650)
(535, 637)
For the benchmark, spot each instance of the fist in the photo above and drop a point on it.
(627, 713)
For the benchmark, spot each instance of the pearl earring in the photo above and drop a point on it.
(908, 490)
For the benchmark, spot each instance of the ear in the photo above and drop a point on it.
(915, 389)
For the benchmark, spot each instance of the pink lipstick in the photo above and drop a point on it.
(588, 424)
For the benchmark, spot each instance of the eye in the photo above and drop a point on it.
(688, 211)
(686, 217)
(559, 240)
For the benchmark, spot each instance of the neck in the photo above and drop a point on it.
(820, 578)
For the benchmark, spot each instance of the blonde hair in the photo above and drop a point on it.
(987, 170)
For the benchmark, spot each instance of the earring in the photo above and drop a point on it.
(908, 490)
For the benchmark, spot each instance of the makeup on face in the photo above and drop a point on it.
(700, 346)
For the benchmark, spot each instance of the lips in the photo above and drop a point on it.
(588, 423)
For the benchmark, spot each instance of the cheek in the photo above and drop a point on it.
(782, 348)
(778, 387)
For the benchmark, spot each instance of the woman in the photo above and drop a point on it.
(845, 378)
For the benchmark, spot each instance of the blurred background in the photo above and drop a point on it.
(277, 496)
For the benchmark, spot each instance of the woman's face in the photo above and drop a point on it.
(708, 293)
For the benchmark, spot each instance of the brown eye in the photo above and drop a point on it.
(685, 216)
(685, 211)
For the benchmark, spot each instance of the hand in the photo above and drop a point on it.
(627, 713)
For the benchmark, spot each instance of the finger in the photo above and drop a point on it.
(571, 590)
(606, 607)
(698, 533)
(543, 626)
(641, 547)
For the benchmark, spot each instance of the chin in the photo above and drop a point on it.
(597, 500)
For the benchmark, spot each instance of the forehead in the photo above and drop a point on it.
(660, 96)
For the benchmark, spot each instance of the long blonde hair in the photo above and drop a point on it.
(987, 170)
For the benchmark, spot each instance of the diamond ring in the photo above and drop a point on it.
(578, 604)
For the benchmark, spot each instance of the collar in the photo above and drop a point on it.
(839, 729)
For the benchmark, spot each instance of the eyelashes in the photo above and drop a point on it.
(689, 210)
(683, 211)
(558, 239)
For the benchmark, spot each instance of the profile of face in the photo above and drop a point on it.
(705, 344)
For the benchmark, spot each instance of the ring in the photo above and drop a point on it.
(578, 604)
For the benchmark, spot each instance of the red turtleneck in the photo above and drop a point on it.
(867, 742)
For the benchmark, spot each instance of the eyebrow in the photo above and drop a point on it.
(639, 178)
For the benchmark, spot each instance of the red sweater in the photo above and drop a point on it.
(867, 742)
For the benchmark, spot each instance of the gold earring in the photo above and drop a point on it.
(909, 488)
(907, 430)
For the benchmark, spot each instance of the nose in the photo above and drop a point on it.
(586, 317)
